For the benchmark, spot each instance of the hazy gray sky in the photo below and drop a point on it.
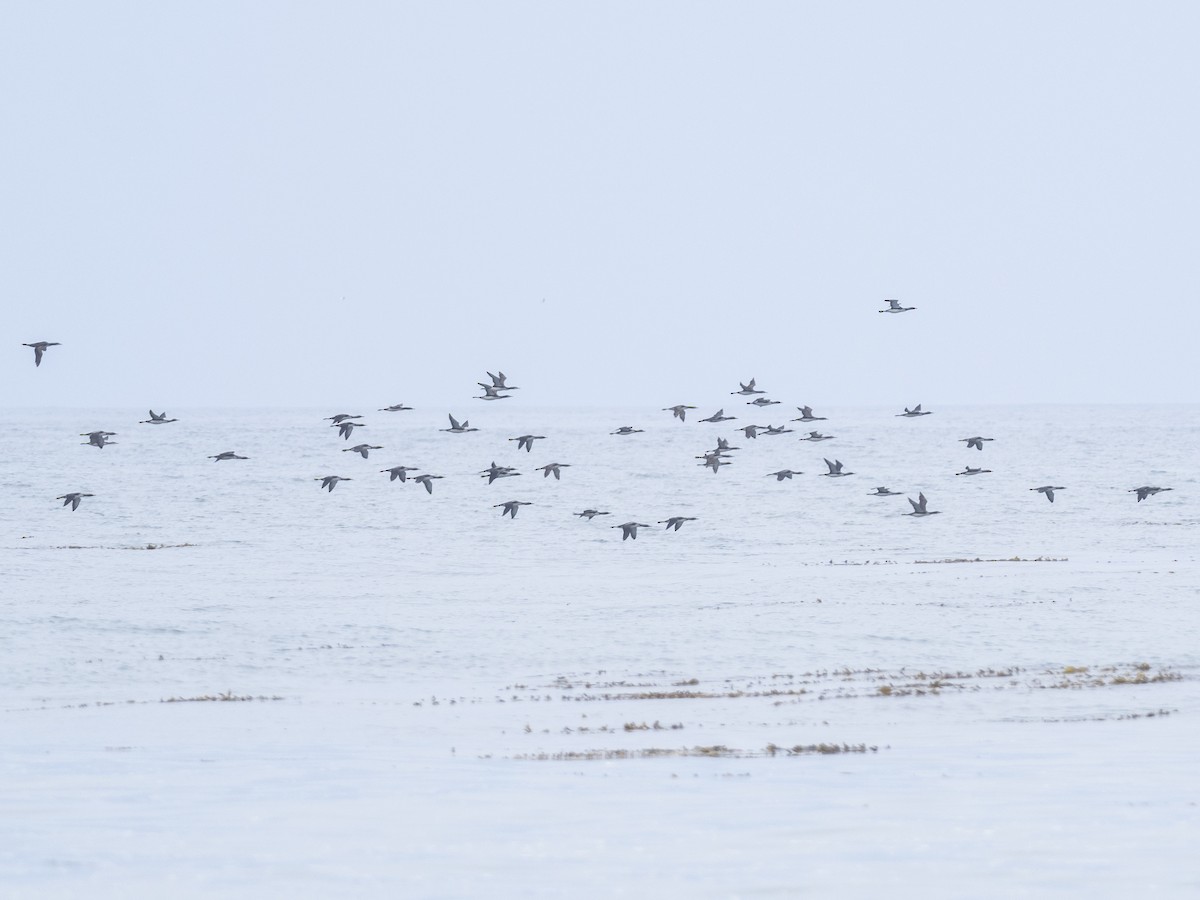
(616, 203)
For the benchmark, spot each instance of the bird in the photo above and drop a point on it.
(761, 401)
(629, 529)
(675, 522)
(776, 429)
(157, 419)
(911, 413)
(919, 509)
(494, 471)
(817, 436)
(883, 492)
(895, 307)
(509, 507)
(427, 480)
(228, 454)
(400, 472)
(490, 392)
(346, 428)
(395, 407)
(782, 474)
(364, 449)
(747, 389)
(39, 348)
(549, 468)
(976, 442)
(329, 482)
(713, 460)
(723, 445)
(498, 382)
(340, 418)
(72, 499)
(455, 428)
(835, 469)
(679, 412)
(1048, 490)
(98, 438)
(969, 471)
(1144, 492)
(751, 431)
(590, 514)
(525, 441)
(806, 415)
(625, 429)
(718, 416)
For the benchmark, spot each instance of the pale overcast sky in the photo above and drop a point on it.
(290, 203)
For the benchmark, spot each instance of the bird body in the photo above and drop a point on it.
(72, 499)
(976, 442)
(676, 522)
(427, 480)
(1048, 490)
(679, 412)
(400, 472)
(920, 507)
(629, 529)
(835, 469)
(456, 428)
(509, 507)
(39, 349)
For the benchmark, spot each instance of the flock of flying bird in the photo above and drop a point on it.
(499, 389)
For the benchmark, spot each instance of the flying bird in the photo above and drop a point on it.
(98, 438)
(816, 436)
(346, 428)
(629, 529)
(782, 474)
(675, 522)
(976, 442)
(72, 499)
(525, 441)
(509, 508)
(969, 471)
(919, 509)
(679, 412)
(883, 492)
(340, 418)
(491, 393)
(39, 348)
(835, 469)
(395, 407)
(400, 472)
(1144, 492)
(228, 454)
(761, 401)
(1048, 490)
(455, 428)
(912, 413)
(590, 514)
(494, 471)
(624, 429)
(157, 419)
(747, 389)
(427, 480)
(895, 307)
(498, 382)
(329, 482)
(806, 415)
(549, 468)
(719, 416)
(364, 449)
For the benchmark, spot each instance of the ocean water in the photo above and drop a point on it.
(444, 702)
